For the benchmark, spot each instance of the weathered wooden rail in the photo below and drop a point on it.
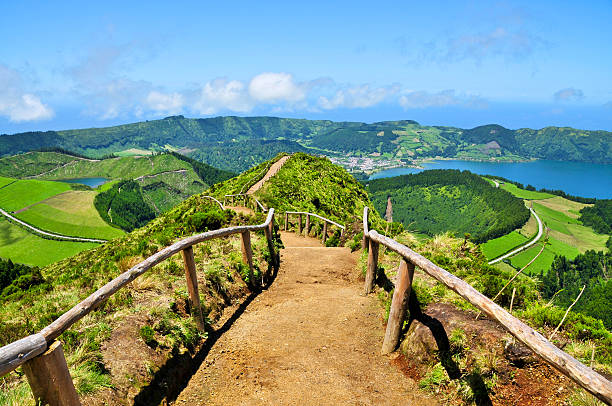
(326, 221)
(565, 363)
(215, 200)
(42, 356)
(256, 204)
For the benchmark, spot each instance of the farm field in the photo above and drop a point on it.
(524, 194)
(71, 213)
(23, 193)
(499, 246)
(566, 234)
(26, 248)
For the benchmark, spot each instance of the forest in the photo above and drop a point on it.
(566, 278)
(123, 206)
(435, 201)
(599, 216)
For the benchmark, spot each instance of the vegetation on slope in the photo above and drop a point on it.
(150, 317)
(436, 201)
(123, 206)
(219, 140)
(471, 365)
(599, 216)
(311, 184)
(566, 278)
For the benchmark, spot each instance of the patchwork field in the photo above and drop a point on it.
(22, 193)
(70, 213)
(26, 248)
(566, 234)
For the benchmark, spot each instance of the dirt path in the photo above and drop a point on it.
(271, 172)
(311, 339)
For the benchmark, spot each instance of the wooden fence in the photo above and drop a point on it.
(574, 369)
(42, 356)
(307, 227)
(244, 198)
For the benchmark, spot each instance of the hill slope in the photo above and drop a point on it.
(436, 201)
(220, 141)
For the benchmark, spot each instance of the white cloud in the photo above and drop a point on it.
(422, 99)
(272, 87)
(222, 94)
(17, 104)
(357, 97)
(167, 103)
(569, 94)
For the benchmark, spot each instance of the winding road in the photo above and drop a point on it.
(523, 247)
(39, 231)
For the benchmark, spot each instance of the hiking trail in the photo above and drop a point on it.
(312, 338)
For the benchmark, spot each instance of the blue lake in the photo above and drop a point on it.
(91, 182)
(576, 178)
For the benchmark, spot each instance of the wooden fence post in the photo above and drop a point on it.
(300, 224)
(364, 240)
(192, 286)
(286, 221)
(268, 231)
(247, 253)
(50, 379)
(307, 232)
(324, 232)
(372, 265)
(398, 306)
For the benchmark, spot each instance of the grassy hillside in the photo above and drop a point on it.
(151, 316)
(220, 141)
(567, 235)
(306, 183)
(24, 247)
(70, 213)
(163, 180)
(437, 201)
(19, 194)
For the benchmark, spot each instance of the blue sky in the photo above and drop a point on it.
(519, 64)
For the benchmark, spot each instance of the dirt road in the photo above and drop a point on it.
(311, 339)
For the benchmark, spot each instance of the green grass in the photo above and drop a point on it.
(499, 246)
(71, 213)
(119, 168)
(524, 194)
(555, 247)
(26, 192)
(5, 181)
(21, 246)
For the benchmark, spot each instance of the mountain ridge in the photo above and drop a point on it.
(221, 141)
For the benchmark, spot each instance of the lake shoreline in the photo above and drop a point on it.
(575, 178)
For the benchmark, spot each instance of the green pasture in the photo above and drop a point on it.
(26, 248)
(524, 194)
(71, 213)
(23, 193)
(544, 261)
(499, 246)
(5, 181)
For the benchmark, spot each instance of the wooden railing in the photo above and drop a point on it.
(326, 221)
(215, 200)
(256, 204)
(42, 356)
(574, 369)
